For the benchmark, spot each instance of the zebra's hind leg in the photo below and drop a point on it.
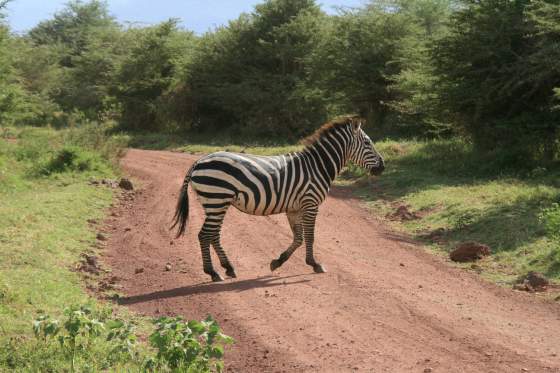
(224, 261)
(309, 217)
(297, 230)
(210, 234)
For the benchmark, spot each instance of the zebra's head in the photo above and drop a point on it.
(362, 151)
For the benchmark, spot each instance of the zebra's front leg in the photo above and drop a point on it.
(309, 217)
(297, 230)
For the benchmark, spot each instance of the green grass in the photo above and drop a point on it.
(43, 230)
(474, 198)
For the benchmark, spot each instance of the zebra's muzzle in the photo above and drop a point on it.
(377, 170)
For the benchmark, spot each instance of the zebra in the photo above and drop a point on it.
(294, 184)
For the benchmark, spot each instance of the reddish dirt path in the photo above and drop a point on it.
(385, 305)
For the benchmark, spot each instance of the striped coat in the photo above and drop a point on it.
(295, 184)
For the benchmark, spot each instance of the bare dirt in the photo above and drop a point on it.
(385, 304)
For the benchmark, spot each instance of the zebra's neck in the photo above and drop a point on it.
(327, 155)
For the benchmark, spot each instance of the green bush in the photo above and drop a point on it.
(81, 329)
(187, 346)
(550, 219)
(73, 158)
(183, 346)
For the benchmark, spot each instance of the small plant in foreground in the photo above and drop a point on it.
(187, 346)
(80, 329)
(181, 346)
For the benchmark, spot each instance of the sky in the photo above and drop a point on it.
(197, 15)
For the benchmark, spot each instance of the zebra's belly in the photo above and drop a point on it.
(262, 208)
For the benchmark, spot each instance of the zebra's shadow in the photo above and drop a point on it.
(214, 287)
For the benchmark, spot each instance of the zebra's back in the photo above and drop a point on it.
(258, 185)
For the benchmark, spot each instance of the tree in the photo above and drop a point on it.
(148, 88)
(355, 60)
(249, 76)
(87, 42)
(498, 68)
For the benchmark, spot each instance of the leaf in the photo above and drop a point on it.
(217, 352)
(219, 366)
(114, 324)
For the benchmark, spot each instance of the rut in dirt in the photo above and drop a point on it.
(385, 304)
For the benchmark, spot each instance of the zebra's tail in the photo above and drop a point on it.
(182, 210)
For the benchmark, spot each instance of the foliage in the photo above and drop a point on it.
(353, 63)
(249, 75)
(72, 158)
(497, 68)
(75, 335)
(147, 86)
(428, 68)
(186, 346)
(550, 218)
(189, 346)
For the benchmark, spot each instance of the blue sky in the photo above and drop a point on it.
(197, 15)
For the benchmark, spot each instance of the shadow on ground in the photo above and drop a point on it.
(214, 287)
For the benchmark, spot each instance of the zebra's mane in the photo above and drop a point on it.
(331, 126)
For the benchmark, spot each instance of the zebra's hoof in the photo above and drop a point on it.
(318, 268)
(275, 264)
(216, 277)
(231, 273)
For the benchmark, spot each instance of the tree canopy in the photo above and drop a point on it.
(486, 70)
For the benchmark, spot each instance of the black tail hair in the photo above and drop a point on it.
(182, 211)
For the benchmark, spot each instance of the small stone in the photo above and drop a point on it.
(168, 267)
(127, 229)
(138, 270)
(401, 264)
(101, 237)
(428, 370)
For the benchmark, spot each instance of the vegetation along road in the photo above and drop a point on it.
(385, 304)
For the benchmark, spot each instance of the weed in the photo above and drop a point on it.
(190, 346)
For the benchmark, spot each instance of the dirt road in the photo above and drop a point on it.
(385, 304)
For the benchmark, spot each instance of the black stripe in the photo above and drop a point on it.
(235, 173)
(215, 205)
(214, 195)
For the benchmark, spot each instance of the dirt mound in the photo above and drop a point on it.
(403, 213)
(126, 184)
(469, 252)
(533, 281)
